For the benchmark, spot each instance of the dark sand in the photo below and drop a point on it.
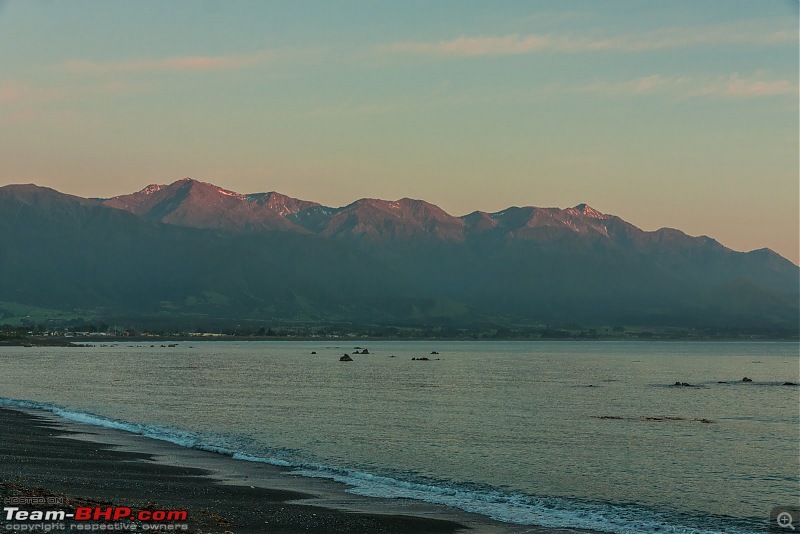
(42, 455)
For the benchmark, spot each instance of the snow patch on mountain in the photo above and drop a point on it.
(152, 188)
(230, 194)
(586, 210)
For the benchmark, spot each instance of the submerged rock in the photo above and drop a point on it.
(745, 379)
(656, 418)
(790, 383)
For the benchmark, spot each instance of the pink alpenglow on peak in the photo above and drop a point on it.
(152, 188)
(587, 211)
(192, 203)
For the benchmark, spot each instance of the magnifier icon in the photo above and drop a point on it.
(785, 520)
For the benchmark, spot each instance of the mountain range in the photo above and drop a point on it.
(197, 253)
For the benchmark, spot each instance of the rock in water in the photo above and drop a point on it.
(346, 358)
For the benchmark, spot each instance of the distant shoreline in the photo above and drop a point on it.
(83, 341)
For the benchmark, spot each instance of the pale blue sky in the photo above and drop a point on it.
(679, 114)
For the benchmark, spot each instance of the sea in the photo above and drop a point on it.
(592, 435)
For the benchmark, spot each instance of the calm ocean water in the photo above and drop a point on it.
(589, 435)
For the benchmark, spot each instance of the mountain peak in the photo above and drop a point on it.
(190, 202)
(587, 211)
(205, 188)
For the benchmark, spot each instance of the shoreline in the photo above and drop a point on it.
(93, 341)
(42, 454)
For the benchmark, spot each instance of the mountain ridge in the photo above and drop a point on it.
(368, 218)
(196, 253)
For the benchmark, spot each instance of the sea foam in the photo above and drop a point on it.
(513, 508)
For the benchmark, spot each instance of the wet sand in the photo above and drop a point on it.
(43, 455)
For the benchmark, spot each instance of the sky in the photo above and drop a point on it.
(679, 114)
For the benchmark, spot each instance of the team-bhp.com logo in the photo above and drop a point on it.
(119, 518)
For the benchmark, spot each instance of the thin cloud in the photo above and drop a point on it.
(763, 33)
(24, 116)
(24, 103)
(478, 46)
(754, 33)
(736, 86)
(62, 118)
(14, 92)
(173, 64)
(119, 87)
(729, 87)
(653, 83)
(20, 93)
(733, 86)
(11, 92)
